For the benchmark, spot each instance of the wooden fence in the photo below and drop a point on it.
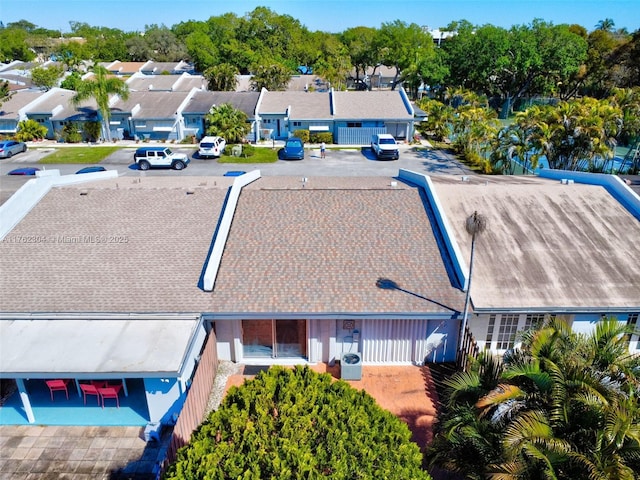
(468, 351)
(195, 406)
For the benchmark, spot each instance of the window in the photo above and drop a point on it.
(533, 320)
(492, 324)
(354, 124)
(297, 124)
(507, 332)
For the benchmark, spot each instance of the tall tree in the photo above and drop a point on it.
(46, 77)
(272, 76)
(100, 87)
(222, 77)
(402, 45)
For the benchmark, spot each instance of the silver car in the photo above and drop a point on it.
(8, 148)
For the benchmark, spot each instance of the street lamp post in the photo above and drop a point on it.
(474, 225)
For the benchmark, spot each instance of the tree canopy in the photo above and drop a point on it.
(298, 424)
(562, 406)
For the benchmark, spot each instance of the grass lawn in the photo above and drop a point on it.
(79, 155)
(259, 155)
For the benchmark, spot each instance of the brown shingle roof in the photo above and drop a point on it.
(322, 248)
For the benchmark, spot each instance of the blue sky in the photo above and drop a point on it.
(325, 15)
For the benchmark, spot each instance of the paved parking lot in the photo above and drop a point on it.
(344, 162)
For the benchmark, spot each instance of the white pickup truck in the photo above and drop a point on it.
(384, 147)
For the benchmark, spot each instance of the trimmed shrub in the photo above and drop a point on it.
(298, 424)
(302, 135)
(326, 137)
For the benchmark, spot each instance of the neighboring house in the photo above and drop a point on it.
(138, 320)
(201, 102)
(151, 115)
(13, 111)
(290, 271)
(169, 83)
(282, 113)
(378, 77)
(54, 109)
(123, 68)
(352, 117)
(358, 115)
(166, 68)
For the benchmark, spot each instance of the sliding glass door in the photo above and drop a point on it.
(274, 338)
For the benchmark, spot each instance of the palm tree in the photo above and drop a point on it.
(607, 25)
(101, 86)
(564, 406)
(222, 77)
(228, 122)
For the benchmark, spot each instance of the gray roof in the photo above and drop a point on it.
(201, 102)
(181, 83)
(304, 105)
(20, 99)
(320, 249)
(370, 105)
(123, 247)
(58, 102)
(153, 104)
(547, 245)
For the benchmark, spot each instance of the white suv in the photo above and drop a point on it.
(147, 157)
(211, 147)
(384, 146)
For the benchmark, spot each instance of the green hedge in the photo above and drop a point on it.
(290, 424)
(302, 135)
(326, 137)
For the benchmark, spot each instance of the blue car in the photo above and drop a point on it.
(293, 150)
(94, 169)
(24, 171)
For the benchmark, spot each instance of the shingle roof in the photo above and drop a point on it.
(201, 102)
(123, 247)
(323, 248)
(547, 245)
(154, 105)
(375, 104)
(320, 249)
(304, 105)
(20, 99)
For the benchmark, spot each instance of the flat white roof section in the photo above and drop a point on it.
(126, 348)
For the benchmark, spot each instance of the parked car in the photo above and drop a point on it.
(8, 148)
(211, 147)
(94, 169)
(293, 150)
(384, 147)
(24, 171)
(147, 157)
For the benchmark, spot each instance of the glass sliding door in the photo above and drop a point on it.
(291, 338)
(274, 338)
(257, 338)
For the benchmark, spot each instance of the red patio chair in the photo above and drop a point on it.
(109, 392)
(88, 389)
(57, 385)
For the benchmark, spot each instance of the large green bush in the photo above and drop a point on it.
(298, 424)
(30, 130)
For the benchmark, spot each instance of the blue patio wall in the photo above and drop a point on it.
(164, 397)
